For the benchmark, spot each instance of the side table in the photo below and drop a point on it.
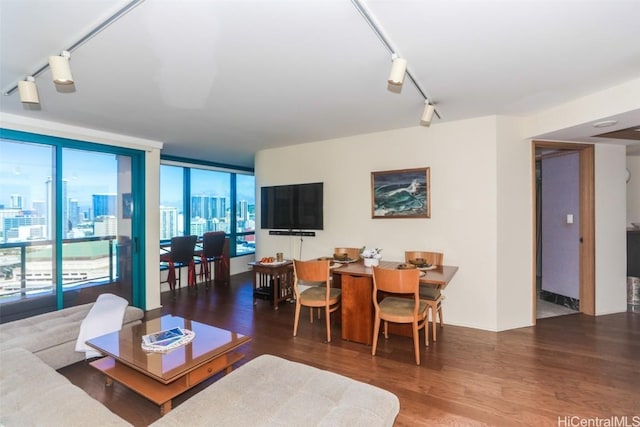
(273, 281)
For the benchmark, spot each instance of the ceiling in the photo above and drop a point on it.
(220, 79)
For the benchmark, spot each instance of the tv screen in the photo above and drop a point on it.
(292, 207)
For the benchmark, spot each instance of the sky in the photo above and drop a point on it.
(25, 168)
(203, 182)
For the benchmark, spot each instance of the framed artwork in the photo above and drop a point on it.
(402, 193)
(127, 205)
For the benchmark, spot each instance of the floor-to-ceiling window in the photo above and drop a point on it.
(68, 222)
(171, 201)
(245, 213)
(196, 198)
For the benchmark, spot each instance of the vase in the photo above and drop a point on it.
(371, 262)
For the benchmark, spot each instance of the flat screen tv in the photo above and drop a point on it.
(292, 207)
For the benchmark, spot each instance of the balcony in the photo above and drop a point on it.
(27, 269)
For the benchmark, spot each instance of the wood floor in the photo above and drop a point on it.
(569, 366)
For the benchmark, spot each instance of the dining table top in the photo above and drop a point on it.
(439, 275)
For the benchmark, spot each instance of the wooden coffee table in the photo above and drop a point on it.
(160, 377)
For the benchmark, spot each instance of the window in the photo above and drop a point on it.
(210, 194)
(67, 223)
(197, 198)
(245, 213)
(171, 201)
(26, 220)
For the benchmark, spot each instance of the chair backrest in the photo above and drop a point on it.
(182, 248)
(396, 281)
(213, 244)
(312, 273)
(316, 270)
(352, 253)
(433, 258)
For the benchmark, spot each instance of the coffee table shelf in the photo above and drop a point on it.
(160, 377)
(162, 393)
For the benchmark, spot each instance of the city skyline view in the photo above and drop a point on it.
(26, 168)
(89, 193)
(70, 214)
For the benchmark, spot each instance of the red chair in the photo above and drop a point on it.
(181, 255)
(212, 251)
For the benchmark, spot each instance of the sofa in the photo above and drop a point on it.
(52, 336)
(32, 392)
(266, 391)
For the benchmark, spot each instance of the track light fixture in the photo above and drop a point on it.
(59, 65)
(398, 70)
(28, 91)
(427, 114)
(399, 67)
(60, 68)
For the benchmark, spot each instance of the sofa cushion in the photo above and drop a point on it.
(34, 394)
(270, 391)
(47, 330)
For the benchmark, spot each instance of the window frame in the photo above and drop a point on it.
(58, 144)
(188, 165)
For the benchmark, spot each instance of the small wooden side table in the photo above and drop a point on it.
(273, 281)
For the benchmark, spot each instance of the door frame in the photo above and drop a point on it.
(586, 153)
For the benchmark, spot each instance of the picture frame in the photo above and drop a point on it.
(404, 193)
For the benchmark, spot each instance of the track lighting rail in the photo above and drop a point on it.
(385, 40)
(110, 20)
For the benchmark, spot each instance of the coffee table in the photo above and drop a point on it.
(160, 377)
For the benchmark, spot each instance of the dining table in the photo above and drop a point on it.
(356, 283)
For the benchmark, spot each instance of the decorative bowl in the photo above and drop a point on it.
(419, 262)
(341, 257)
(406, 267)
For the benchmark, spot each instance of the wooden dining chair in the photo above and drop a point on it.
(429, 293)
(400, 303)
(318, 293)
(351, 253)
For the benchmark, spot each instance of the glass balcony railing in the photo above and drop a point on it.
(27, 268)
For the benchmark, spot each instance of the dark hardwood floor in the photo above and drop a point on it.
(570, 366)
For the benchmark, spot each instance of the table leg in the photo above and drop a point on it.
(255, 286)
(276, 291)
(165, 408)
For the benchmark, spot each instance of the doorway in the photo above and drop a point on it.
(564, 250)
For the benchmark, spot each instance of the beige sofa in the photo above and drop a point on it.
(52, 336)
(266, 391)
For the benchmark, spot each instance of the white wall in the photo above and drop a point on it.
(516, 290)
(633, 190)
(152, 229)
(622, 100)
(464, 166)
(610, 195)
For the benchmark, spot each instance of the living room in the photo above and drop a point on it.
(481, 165)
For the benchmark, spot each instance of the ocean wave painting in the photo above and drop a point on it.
(401, 194)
